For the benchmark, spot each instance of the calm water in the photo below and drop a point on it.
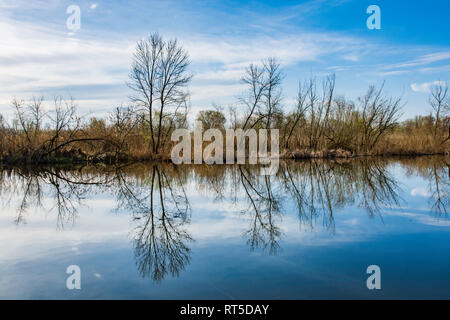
(159, 231)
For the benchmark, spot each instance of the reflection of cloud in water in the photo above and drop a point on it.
(424, 192)
(421, 218)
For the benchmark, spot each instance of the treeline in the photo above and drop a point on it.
(320, 124)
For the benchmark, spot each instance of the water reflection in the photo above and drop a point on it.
(319, 188)
(66, 188)
(265, 207)
(160, 209)
(155, 197)
(437, 172)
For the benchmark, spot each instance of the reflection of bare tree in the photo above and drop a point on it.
(265, 207)
(66, 187)
(155, 196)
(438, 176)
(318, 188)
(437, 171)
(160, 207)
(440, 186)
(378, 188)
(211, 178)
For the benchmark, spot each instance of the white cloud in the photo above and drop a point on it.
(351, 57)
(393, 73)
(40, 59)
(289, 49)
(211, 91)
(221, 61)
(424, 87)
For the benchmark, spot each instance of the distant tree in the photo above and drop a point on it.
(440, 102)
(212, 119)
(97, 124)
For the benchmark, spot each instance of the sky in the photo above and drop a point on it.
(40, 56)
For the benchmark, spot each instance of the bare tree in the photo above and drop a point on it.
(254, 79)
(263, 98)
(299, 112)
(319, 107)
(342, 128)
(124, 122)
(440, 102)
(63, 129)
(3, 134)
(38, 113)
(159, 78)
(273, 93)
(64, 121)
(379, 114)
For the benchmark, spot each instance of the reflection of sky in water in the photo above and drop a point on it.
(314, 259)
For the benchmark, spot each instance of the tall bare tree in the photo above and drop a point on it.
(159, 78)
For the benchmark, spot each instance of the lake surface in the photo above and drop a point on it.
(159, 231)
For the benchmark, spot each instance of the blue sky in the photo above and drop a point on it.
(40, 56)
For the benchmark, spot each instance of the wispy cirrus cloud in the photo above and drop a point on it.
(421, 61)
(420, 64)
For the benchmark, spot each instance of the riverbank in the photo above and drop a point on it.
(72, 158)
(345, 154)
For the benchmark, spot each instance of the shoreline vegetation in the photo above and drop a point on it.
(319, 124)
